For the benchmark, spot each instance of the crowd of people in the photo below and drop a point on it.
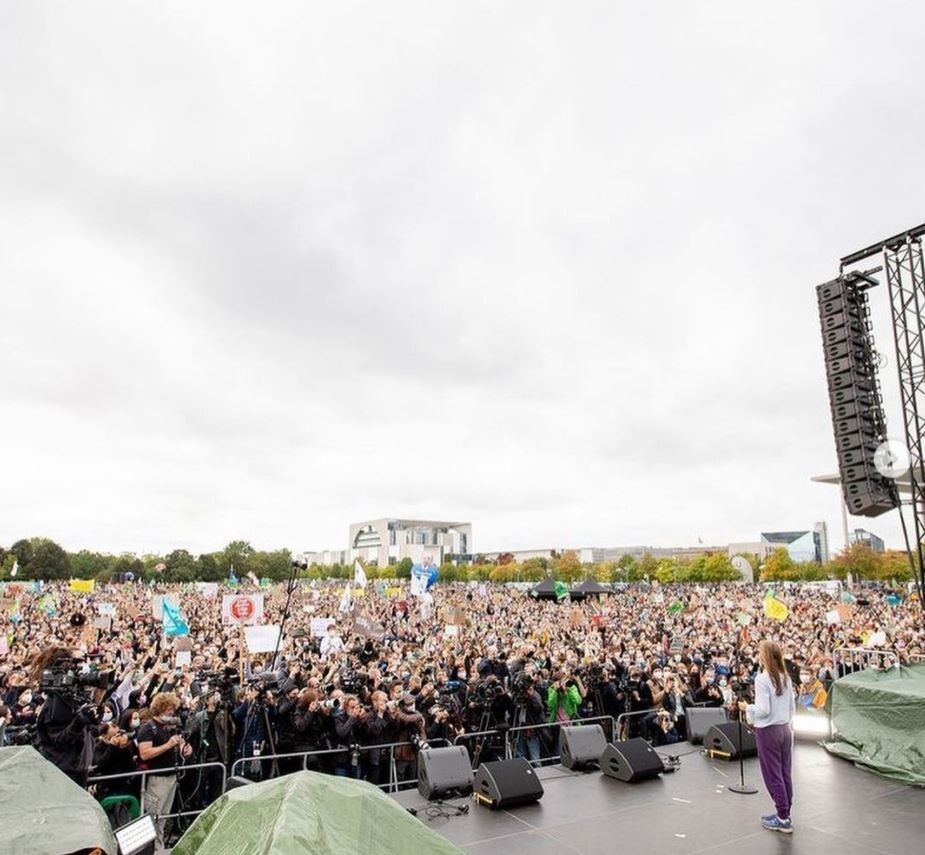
(391, 673)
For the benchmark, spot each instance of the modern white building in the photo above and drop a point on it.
(387, 541)
(804, 545)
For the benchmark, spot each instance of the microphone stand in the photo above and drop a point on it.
(742, 788)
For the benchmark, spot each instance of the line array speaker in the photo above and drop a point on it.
(854, 395)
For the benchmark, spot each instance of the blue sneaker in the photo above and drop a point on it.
(769, 817)
(775, 823)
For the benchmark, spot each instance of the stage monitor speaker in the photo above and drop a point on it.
(237, 781)
(701, 719)
(579, 746)
(507, 783)
(724, 738)
(444, 770)
(631, 761)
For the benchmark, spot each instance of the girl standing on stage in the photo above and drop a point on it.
(771, 715)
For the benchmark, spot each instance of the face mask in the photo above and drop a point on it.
(107, 717)
(804, 678)
(26, 698)
(135, 723)
(722, 684)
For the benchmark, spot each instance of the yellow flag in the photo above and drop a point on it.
(775, 609)
(82, 586)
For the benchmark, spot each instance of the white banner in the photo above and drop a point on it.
(242, 609)
(418, 585)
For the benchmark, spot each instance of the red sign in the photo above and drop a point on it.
(242, 608)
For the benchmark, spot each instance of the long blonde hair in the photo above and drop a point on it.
(770, 654)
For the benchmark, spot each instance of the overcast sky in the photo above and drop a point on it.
(546, 267)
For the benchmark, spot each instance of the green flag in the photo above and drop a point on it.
(743, 618)
(561, 591)
(675, 607)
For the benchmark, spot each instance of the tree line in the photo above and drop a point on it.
(42, 558)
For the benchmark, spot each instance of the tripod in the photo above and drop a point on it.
(484, 724)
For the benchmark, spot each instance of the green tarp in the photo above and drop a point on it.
(309, 812)
(43, 812)
(879, 722)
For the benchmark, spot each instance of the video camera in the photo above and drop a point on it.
(66, 677)
(225, 681)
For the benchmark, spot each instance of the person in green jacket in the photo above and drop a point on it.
(564, 697)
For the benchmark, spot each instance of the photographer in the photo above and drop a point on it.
(313, 728)
(563, 698)
(528, 707)
(349, 727)
(64, 724)
(160, 747)
(207, 732)
(409, 727)
(377, 727)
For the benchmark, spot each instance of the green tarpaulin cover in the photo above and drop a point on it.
(43, 812)
(309, 812)
(879, 722)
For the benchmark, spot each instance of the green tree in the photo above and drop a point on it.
(49, 561)
(208, 568)
(645, 568)
(90, 565)
(779, 567)
(403, 568)
(534, 569)
(860, 561)
(567, 567)
(718, 568)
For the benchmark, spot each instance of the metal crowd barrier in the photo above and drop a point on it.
(863, 658)
(390, 786)
(144, 773)
(511, 744)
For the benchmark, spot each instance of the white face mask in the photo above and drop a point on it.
(26, 698)
(107, 717)
(135, 723)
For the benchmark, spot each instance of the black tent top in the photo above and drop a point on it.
(590, 586)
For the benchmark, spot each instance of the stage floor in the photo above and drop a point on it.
(837, 808)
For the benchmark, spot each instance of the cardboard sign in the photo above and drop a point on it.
(183, 657)
(104, 623)
(242, 609)
(208, 590)
(183, 643)
(367, 628)
(261, 639)
(318, 626)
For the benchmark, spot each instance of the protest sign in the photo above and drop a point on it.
(183, 657)
(106, 609)
(208, 590)
(832, 617)
(242, 609)
(261, 639)
(182, 643)
(367, 628)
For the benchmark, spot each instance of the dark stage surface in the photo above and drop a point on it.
(837, 808)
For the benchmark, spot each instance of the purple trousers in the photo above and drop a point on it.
(775, 753)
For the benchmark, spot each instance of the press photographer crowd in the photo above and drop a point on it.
(117, 678)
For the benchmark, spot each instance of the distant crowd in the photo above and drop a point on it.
(394, 668)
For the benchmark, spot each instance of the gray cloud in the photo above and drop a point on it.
(551, 270)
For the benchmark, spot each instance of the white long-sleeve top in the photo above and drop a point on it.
(770, 708)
